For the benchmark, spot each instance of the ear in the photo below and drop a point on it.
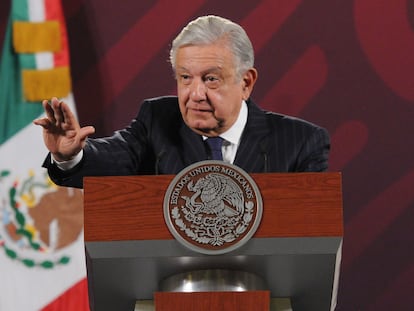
(249, 79)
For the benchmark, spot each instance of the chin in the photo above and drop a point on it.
(203, 126)
(201, 129)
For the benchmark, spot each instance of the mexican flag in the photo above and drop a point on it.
(42, 262)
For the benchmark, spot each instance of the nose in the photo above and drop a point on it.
(198, 91)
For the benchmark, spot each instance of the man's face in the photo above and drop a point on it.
(209, 92)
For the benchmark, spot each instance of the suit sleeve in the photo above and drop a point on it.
(119, 154)
(314, 153)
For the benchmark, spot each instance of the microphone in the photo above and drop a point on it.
(157, 161)
(263, 151)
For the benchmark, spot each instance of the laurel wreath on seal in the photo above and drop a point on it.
(22, 228)
(218, 239)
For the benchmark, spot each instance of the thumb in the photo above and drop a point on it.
(85, 132)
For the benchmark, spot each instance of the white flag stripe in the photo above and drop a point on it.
(37, 13)
(36, 286)
(44, 60)
(36, 10)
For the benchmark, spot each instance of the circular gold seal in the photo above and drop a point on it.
(212, 207)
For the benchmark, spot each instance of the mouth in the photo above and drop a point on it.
(201, 110)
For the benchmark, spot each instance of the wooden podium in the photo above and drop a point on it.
(296, 249)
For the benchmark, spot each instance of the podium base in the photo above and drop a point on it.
(276, 304)
(213, 280)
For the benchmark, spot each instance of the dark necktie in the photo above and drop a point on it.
(215, 147)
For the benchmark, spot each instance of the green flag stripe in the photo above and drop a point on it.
(27, 61)
(20, 10)
(15, 113)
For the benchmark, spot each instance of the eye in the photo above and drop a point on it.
(185, 78)
(212, 81)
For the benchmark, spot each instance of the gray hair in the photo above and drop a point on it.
(210, 29)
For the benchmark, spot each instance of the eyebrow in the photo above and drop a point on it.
(208, 70)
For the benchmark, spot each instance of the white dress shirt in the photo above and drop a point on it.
(232, 135)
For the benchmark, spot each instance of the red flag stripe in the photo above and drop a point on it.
(74, 299)
(53, 11)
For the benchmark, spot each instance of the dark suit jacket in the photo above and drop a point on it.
(159, 142)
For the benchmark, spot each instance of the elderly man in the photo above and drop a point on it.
(213, 62)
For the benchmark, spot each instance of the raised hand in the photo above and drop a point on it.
(62, 133)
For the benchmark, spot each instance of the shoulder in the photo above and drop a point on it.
(289, 120)
(160, 106)
(159, 112)
(297, 127)
(282, 124)
(278, 119)
(164, 102)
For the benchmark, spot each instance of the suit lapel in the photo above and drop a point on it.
(252, 149)
(253, 145)
(193, 146)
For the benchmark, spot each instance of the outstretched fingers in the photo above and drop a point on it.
(46, 122)
(68, 119)
(54, 116)
(58, 115)
(49, 111)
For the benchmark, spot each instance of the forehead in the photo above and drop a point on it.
(199, 56)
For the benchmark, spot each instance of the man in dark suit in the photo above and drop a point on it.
(213, 61)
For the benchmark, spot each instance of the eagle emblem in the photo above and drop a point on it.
(212, 207)
(215, 194)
